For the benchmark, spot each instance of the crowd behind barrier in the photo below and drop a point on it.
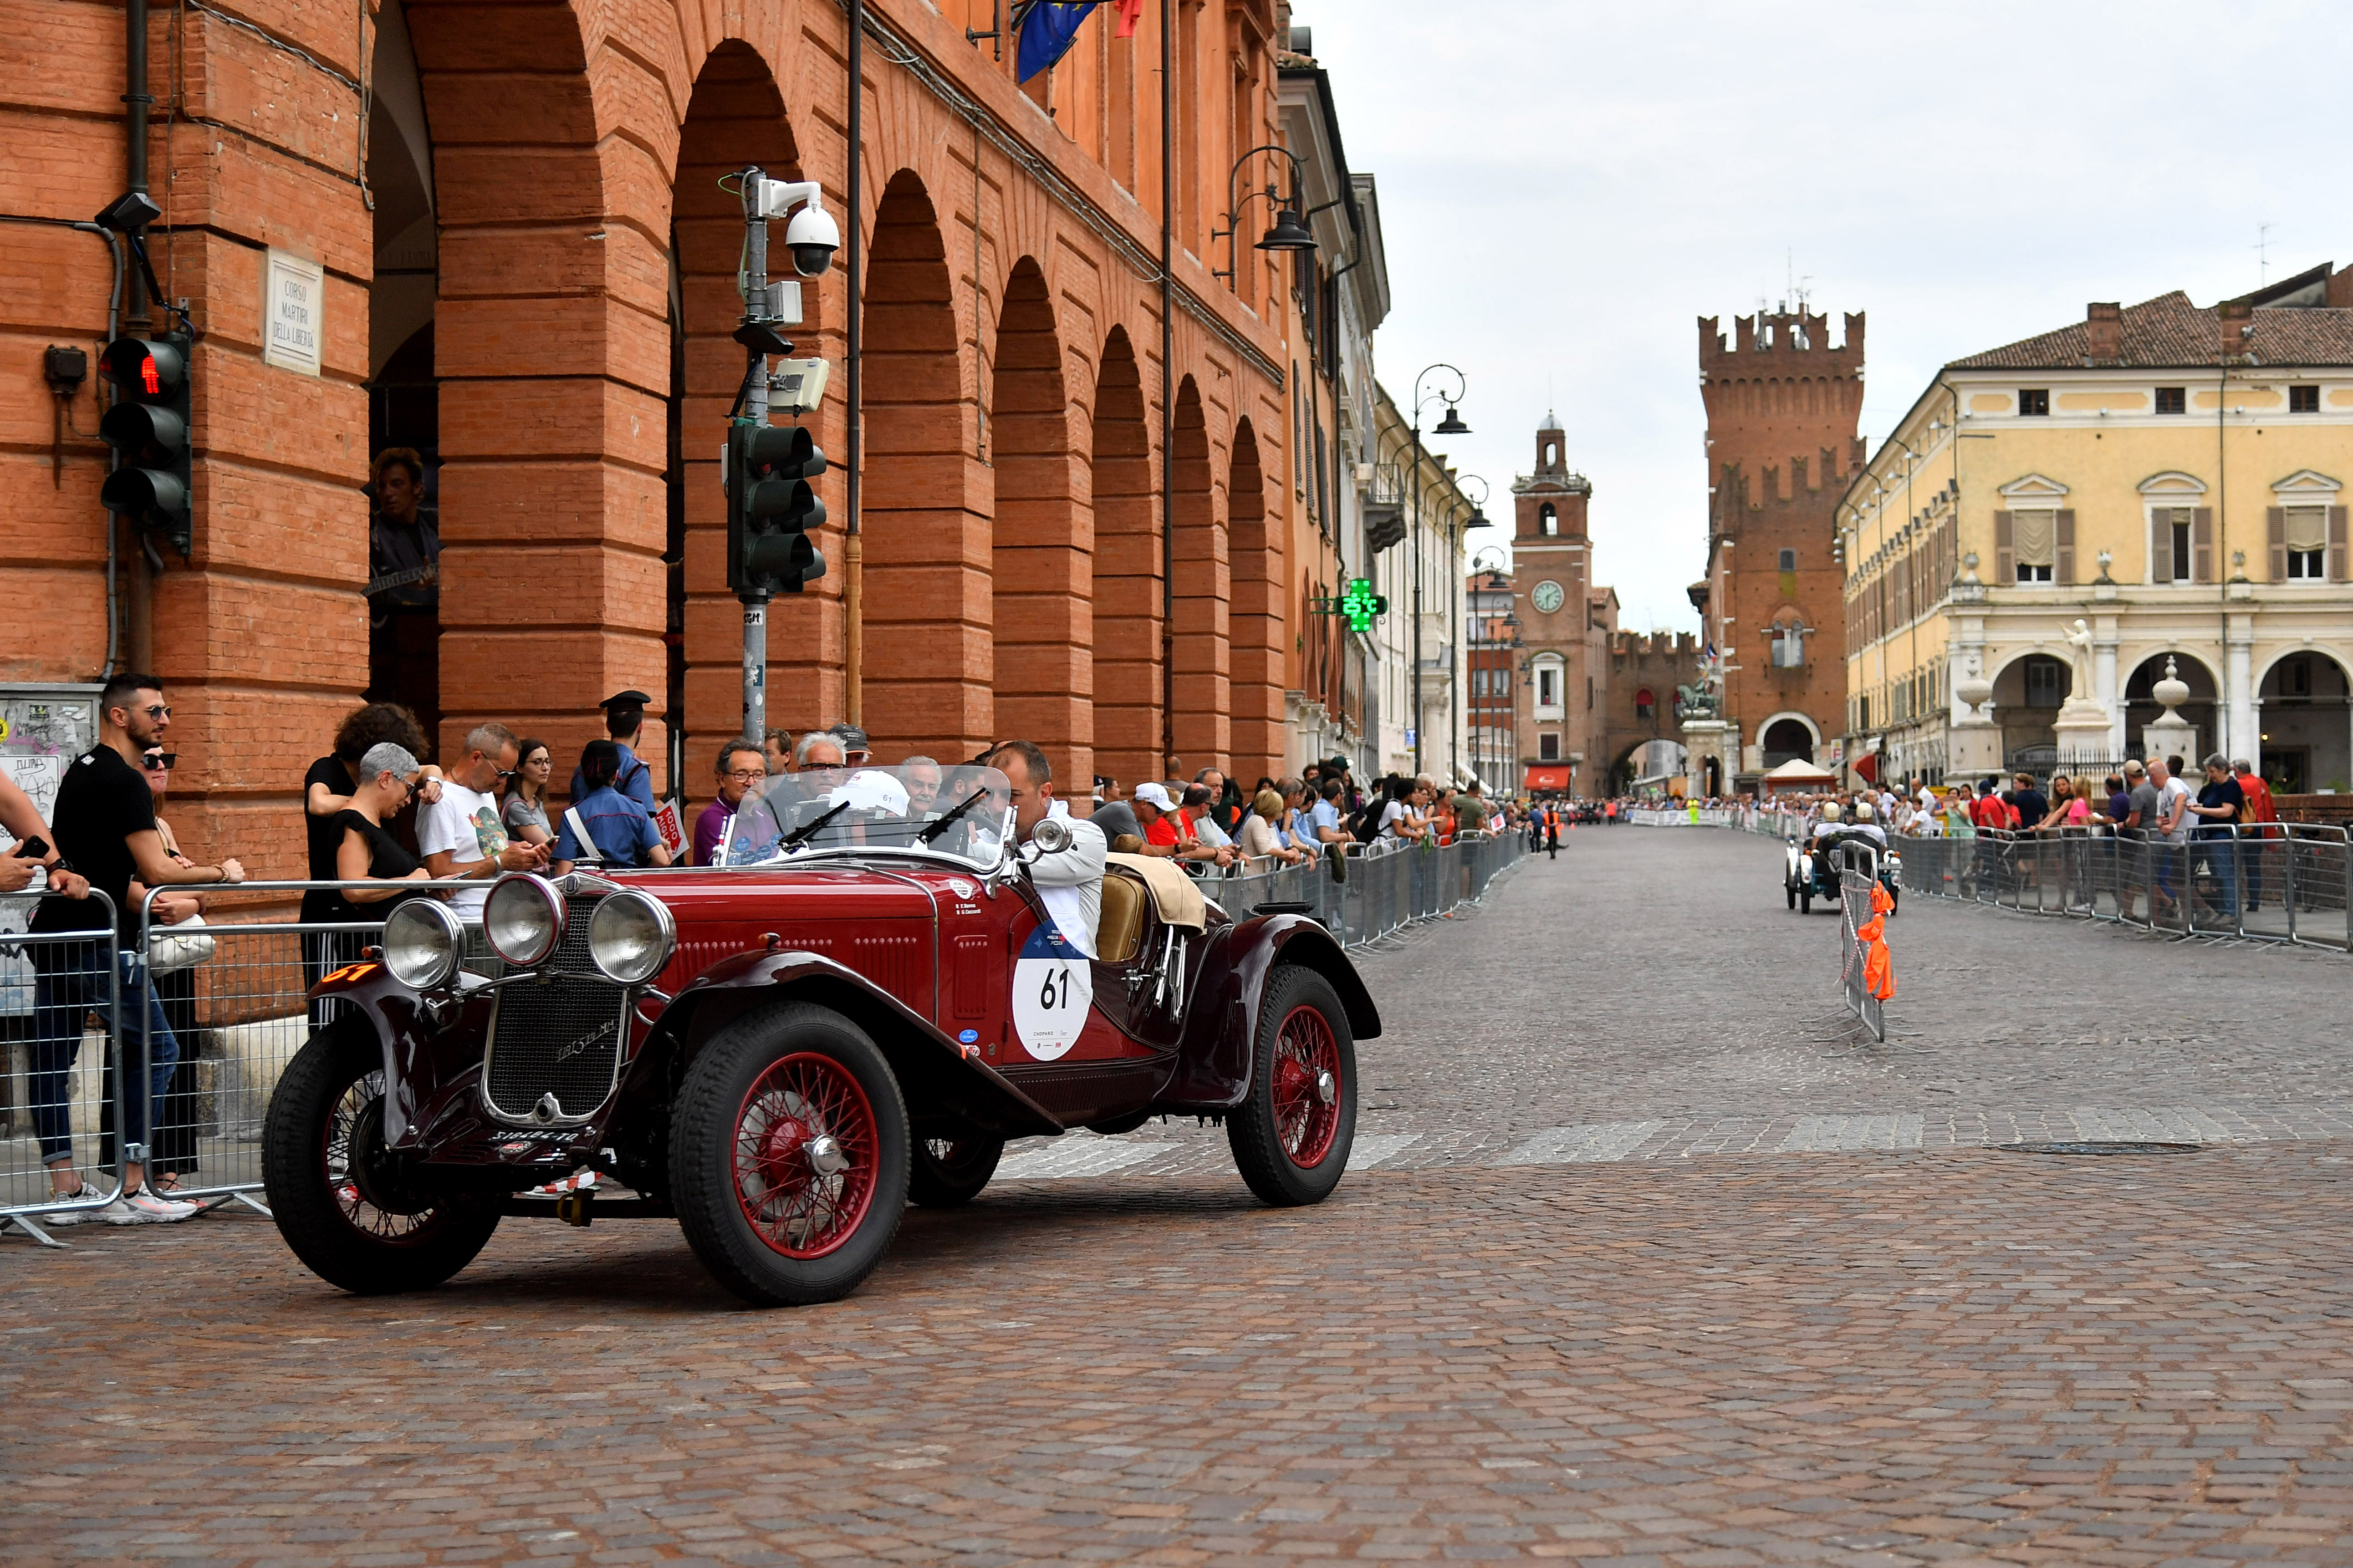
(2267, 882)
(233, 997)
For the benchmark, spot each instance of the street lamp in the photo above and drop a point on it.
(1455, 675)
(1288, 232)
(1451, 425)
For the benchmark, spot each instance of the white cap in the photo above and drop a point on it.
(1151, 793)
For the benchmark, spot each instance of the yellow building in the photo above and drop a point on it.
(2173, 476)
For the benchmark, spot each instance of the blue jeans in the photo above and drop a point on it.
(61, 996)
(2222, 860)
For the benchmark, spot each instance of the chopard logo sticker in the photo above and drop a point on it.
(962, 888)
(585, 1041)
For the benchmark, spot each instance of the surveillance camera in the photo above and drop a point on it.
(812, 237)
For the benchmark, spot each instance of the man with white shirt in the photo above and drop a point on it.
(463, 834)
(1068, 883)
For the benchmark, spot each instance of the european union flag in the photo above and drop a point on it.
(1048, 29)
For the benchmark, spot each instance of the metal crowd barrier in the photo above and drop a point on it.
(1391, 884)
(1858, 875)
(2280, 881)
(60, 993)
(234, 999)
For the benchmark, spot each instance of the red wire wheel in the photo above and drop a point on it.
(1307, 1085)
(806, 1155)
(351, 1143)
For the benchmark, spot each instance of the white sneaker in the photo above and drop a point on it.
(144, 1207)
(67, 1216)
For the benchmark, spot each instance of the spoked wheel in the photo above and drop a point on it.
(1290, 1136)
(343, 1202)
(945, 1171)
(789, 1156)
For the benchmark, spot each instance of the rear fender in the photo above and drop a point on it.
(944, 1083)
(1215, 1061)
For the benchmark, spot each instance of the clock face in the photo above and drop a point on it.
(1547, 597)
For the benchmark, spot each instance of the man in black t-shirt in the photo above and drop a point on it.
(105, 830)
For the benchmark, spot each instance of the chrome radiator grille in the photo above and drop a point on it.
(562, 1037)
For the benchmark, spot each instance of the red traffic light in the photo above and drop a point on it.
(143, 367)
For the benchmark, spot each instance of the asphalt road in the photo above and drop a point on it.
(1651, 1260)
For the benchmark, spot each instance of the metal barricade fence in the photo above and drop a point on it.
(57, 1093)
(1389, 885)
(2287, 882)
(232, 995)
(1858, 875)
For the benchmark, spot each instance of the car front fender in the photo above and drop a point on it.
(421, 1052)
(945, 1084)
(1215, 1061)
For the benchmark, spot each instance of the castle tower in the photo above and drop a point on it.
(1783, 404)
(1564, 619)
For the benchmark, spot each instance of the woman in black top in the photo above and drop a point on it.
(369, 854)
(326, 793)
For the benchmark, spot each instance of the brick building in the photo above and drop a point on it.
(1566, 621)
(1782, 405)
(526, 270)
(1638, 699)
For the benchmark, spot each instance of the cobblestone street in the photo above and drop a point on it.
(1650, 1257)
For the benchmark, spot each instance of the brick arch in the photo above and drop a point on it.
(1255, 543)
(535, 472)
(1201, 647)
(1129, 622)
(1041, 566)
(929, 671)
(735, 116)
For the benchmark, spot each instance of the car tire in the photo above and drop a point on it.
(943, 1172)
(1806, 902)
(788, 1155)
(1793, 896)
(339, 1205)
(1291, 1141)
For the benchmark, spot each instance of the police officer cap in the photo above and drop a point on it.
(626, 700)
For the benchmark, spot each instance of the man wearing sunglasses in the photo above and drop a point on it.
(464, 833)
(106, 831)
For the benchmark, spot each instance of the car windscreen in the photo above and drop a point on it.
(963, 811)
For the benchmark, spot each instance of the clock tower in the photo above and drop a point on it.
(1565, 625)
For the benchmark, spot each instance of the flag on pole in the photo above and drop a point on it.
(1048, 29)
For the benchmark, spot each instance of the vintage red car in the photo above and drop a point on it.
(857, 1007)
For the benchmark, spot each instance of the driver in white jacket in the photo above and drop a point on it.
(1069, 882)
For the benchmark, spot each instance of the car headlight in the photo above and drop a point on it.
(523, 919)
(631, 937)
(423, 945)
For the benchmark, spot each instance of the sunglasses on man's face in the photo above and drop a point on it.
(161, 761)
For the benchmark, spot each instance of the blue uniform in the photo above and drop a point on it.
(635, 781)
(619, 831)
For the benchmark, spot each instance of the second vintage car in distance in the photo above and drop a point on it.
(857, 1009)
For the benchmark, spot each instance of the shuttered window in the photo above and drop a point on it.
(2305, 534)
(2034, 544)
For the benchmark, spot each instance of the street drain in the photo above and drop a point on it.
(2090, 1146)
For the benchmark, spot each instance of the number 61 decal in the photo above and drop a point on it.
(1052, 988)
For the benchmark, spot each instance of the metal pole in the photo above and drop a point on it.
(1167, 387)
(1454, 659)
(853, 548)
(754, 412)
(1415, 714)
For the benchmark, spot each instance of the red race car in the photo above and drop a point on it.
(857, 1007)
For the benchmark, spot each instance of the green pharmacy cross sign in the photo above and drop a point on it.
(1359, 603)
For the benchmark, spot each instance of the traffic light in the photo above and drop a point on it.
(148, 425)
(771, 508)
(1360, 605)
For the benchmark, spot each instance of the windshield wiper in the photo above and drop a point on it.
(944, 823)
(807, 830)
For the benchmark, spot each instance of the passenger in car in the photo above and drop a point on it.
(1068, 883)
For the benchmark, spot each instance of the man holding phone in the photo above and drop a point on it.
(20, 819)
(106, 832)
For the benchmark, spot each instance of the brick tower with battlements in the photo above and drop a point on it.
(1783, 405)
(1565, 622)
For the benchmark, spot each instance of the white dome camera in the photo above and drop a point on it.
(812, 236)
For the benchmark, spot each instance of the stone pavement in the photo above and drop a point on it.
(1554, 1332)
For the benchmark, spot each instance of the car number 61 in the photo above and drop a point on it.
(1052, 988)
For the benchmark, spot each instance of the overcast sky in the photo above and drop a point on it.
(1564, 187)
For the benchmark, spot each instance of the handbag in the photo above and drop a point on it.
(167, 953)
